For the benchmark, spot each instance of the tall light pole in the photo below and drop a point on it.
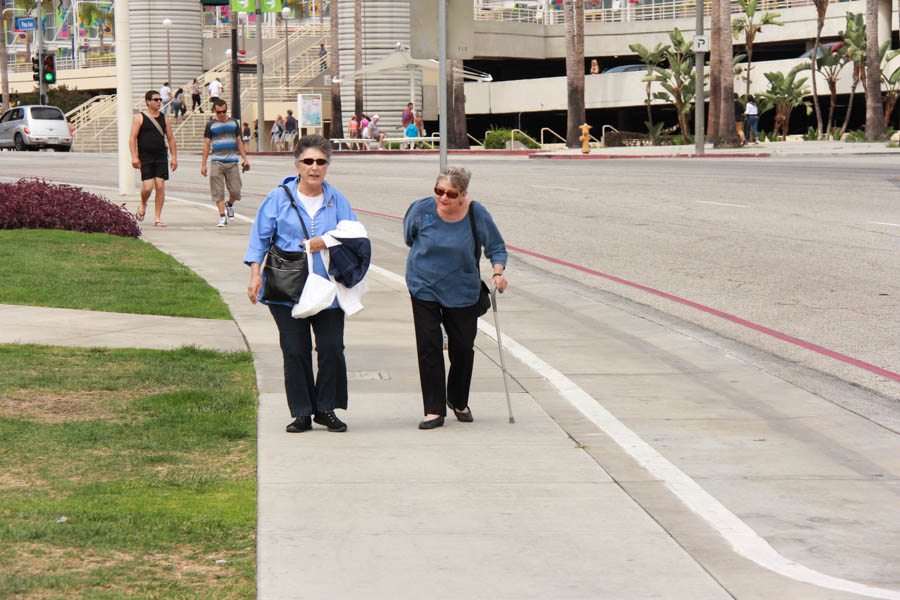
(124, 99)
(285, 13)
(260, 84)
(167, 23)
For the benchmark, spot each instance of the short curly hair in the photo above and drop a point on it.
(458, 176)
(312, 141)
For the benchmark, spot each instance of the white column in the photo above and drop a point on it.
(884, 21)
(124, 100)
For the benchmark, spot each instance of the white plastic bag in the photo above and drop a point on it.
(318, 292)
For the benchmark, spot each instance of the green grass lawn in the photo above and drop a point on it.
(96, 271)
(151, 458)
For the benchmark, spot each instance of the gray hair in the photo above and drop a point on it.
(312, 141)
(458, 176)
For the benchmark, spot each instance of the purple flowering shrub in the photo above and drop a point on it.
(36, 204)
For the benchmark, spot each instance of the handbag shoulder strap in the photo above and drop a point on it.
(155, 124)
(290, 196)
(475, 237)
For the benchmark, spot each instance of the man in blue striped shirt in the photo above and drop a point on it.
(223, 146)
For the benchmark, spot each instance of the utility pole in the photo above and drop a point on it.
(4, 58)
(235, 74)
(442, 80)
(40, 52)
(699, 91)
(260, 96)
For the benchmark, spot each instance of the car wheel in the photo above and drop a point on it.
(20, 143)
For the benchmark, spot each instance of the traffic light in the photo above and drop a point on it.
(49, 69)
(36, 67)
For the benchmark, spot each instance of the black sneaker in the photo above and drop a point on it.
(299, 424)
(230, 209)
(330, 420)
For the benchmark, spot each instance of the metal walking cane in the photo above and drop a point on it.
(500, 346)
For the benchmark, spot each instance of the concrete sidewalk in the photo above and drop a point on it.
(494, 510)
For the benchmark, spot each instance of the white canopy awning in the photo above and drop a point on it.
(401, 60)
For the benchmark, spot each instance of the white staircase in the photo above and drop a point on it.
(95, 120)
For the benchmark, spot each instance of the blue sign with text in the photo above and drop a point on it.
(26, 23)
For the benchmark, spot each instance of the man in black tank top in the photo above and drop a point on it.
(150, 130)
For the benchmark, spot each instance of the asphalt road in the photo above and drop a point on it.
(807, 247)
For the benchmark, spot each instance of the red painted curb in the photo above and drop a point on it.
(408, 152)
(613, 156)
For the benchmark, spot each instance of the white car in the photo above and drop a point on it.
(34, 127)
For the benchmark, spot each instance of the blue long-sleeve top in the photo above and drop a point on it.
(276, 221)
(441, 264)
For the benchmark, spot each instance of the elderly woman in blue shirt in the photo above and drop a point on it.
(320, 206)
(444, 283)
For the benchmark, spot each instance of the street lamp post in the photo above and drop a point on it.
(285, 13)
(167, 23)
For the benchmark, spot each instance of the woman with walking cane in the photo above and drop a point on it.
(445, 233)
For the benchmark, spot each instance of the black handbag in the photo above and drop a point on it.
(484, 294)
(285, 271)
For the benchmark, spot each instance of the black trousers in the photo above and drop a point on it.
(195, 102)
(327, 390)
(461, 325)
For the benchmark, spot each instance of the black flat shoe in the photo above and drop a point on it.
(299, 424)
(464, 417)
(330, 420)
(439, 422)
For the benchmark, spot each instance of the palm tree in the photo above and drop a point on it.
(891, 82)
(337, 118)
(678, 80)
(357, 57)
(829, 65)
(821, 7)
(855, 38)
(651, 58)
(728, 136)
(4, 60)
(456, 106)
(748, 28)
(715, 73)
(90, 13)
(574, 15)
(785, 93)
(874, 107)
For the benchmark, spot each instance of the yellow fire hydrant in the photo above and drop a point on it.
(585, 138)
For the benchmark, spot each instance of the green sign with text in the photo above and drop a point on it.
(243, 5)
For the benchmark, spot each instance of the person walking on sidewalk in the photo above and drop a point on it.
(290, 131)
(751, 124)
(309, 204)
(444, 284)
(223, 137)
(150, 130)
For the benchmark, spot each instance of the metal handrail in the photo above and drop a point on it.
(474, 139)
(543, 129)
(512, 136)
(603, 133)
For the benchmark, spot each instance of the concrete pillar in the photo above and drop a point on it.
(884, 21)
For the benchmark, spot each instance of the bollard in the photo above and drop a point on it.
(585, 138)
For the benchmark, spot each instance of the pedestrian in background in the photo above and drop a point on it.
(407, 116)
(215, 89)
(751, 124)
(290, 130)
(165, 92)
(277, 133)
(309, 204)
(245, 135)
(444, 284)
(739, 117)
(322, 54)
(196, 100)
(595, 67)
(354, 131)
(223, 145)
(178, 107)
(150, 129)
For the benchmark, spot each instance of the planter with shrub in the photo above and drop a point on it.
(36, 204)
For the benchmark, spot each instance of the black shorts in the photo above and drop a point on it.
(153, 168)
